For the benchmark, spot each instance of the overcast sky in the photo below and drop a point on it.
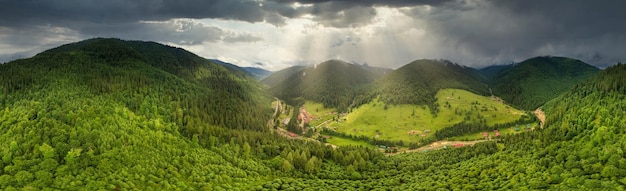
(274, 34)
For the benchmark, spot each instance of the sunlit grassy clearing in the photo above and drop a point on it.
(339, 141)
(396, 122)
(319, 112)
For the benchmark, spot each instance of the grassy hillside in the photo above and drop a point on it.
(408, 122)
(533, 82)
(418, 82)
(333, 83)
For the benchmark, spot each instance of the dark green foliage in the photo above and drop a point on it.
(533, 82)
(490, 72)
(334, 83)
(465, 128)
(418, 82)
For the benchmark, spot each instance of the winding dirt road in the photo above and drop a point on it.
(541, 116)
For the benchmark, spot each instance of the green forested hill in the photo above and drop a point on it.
(334, 83)
(581, 148)
(146, 74)
(418, 82)
(101, 115)
(533, 82)
(107, 114)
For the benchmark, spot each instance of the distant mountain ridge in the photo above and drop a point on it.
(282, 75)
(527, 84)
(257, 73)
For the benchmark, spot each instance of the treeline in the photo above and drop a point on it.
(380, 142)
(464, 128)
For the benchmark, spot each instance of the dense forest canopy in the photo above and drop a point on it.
(334, 83)
(533, 82)
(418, 82)
(128, 115)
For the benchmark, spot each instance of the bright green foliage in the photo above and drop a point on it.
(47, 151)
(533, 82)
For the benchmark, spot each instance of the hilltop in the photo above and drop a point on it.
(333, 83)
(533, 82)
(418, 82)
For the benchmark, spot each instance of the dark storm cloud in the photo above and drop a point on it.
(120, 11)
(63, 12)
(473, 32)
(387, 3)
(183, 32)
(514, 30)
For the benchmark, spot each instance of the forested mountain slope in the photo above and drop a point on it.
(531, 83)
(128, 115)
(258, 73)
(282, 75)
(334, 83)
(491, 72)
(418, 82)
(106, 114)
(581, 148)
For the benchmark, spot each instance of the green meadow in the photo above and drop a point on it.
(409, 122)
(319, 112)
(340, 141)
